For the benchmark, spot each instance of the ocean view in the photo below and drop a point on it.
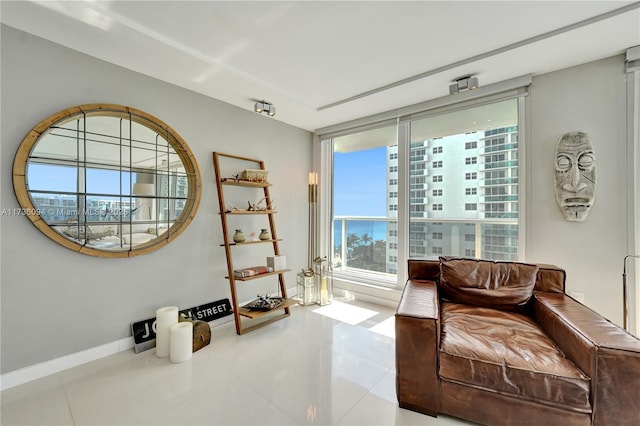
(375, 228)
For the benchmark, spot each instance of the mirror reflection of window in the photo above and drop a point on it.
(113, 180)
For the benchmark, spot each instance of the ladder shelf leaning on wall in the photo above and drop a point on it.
(253, 319)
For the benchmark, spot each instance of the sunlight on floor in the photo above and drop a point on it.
(386, 327)
(346, 313)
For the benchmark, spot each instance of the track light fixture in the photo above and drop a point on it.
(460, 84)
(266, 107)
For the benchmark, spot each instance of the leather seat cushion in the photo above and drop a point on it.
(507, 352)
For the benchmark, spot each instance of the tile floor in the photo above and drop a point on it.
(331, 365)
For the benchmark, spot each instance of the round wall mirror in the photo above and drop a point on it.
(106, 180)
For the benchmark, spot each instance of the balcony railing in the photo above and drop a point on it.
(369, 243)
(498, 198)
(501, 147)
(500, 164)
(500, 181)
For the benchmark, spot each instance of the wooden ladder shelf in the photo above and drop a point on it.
(248, 320)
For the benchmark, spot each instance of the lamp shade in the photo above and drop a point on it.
(144, 189)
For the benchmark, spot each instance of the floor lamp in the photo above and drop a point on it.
(625, 302)
(313, 218)
(307, 288)
(322, 275)
(145, 190)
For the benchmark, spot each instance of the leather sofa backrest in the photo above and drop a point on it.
(424, 269)
(486, 283)
(550, 278)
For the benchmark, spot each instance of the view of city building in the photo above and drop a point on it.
(61, 208)
(463, 201)
(463, 196)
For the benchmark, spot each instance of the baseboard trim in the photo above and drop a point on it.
(46, 368)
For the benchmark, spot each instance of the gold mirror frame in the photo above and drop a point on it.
(175, 146)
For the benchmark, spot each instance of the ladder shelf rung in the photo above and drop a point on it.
(251, 242)
(253, 277)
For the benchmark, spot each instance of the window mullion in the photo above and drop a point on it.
(404, 138)
(325, 198)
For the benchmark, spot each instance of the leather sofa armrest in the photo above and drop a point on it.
(417, 344)
(606, 353)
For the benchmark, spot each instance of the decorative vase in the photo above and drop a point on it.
(264, 235)
(238, 237)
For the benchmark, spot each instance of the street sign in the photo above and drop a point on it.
(144, 332)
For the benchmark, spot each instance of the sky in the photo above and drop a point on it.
(360, 183)
(359, 179)
(63, 179)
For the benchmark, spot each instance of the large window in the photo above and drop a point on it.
(481, 196)
(448, 186)
(365, 205)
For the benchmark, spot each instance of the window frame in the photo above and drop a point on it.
(633, 186)
(512, 89)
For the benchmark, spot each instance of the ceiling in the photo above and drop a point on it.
(326, 62)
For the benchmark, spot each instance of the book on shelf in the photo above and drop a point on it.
(249, 272)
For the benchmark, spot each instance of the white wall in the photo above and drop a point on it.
(589, 98)
(56, 302)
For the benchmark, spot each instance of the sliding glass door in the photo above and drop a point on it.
(438, 182)
(463, 183)
(365, 207)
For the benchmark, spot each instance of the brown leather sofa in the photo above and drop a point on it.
(499, 343)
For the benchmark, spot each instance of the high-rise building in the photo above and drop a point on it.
(463, 196)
